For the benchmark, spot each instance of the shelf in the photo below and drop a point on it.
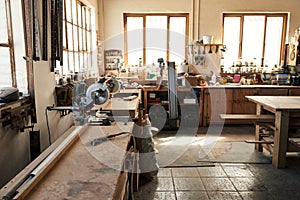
(154, 103)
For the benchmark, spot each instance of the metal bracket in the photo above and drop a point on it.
(17, 117)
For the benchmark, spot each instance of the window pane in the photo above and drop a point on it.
(68, 10)
(88, 39)
(81, 61)
(80, 39)
(85, 61)
(79, 14)
(253, 36)
(177, 39)
(70, 36)
(66, 60)
(83, 42)
(88, 60)
(75, 38)
(134, 39)
(5, 75)
(3, 23)
(156, 38)
(231, 40)
(83, 17)
(74, 11)
(88, 13)
(64, 36)
(71, 64)
(273, 41)
(76, 62)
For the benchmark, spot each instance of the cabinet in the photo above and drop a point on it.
(111, 57)
(156, 103)
(213, 101)
(220, 100)
(294, 116)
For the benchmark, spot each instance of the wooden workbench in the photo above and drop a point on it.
(86, 171)
(281, 107)
(121, 105)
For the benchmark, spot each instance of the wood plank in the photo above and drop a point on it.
(266, 124)
(247, 117)
(259, 141)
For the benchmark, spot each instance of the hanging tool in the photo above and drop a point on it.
(210, 50)
(36, 31)
(217, 48)
(45, 31)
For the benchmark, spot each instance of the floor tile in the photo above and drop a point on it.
(159, 184)
(188, 184)
(216, 171)
(164, 172)
(185, 172)
(237, 170)
(218, 184)
(248, 184)
(286, 194)
(192, 195)
(155, 196)
(257, 195)
(224, 195)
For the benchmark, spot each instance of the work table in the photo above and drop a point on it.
(80, 170)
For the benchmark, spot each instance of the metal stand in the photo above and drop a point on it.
(172, 95)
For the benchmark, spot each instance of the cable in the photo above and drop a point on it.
(134, 163)
(47, 121)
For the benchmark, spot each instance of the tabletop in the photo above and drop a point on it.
(85, 171)
(277, 103)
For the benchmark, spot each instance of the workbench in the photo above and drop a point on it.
(83, 171)
(72, 168)
(281, 107)
(124, 103)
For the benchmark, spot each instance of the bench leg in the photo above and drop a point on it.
(258, 146)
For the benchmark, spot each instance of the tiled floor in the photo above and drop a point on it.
(225, 181)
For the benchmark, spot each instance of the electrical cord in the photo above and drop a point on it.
(134, 163)
(47, 122)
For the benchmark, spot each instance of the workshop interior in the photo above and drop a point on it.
(135, 99)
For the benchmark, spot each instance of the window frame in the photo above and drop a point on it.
(266, 15)
(144, 15)
(82, 30)
(10, 43)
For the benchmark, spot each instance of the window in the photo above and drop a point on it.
(153, 36)
(12, 46)
(257, 39)
(78, 40)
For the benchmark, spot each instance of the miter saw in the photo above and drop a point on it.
(96, 94)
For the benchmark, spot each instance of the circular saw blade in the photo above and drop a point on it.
(100, 96)
(113, 85)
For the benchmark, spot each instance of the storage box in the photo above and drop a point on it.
(192, 80)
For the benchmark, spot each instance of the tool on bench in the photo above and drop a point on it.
(103, 139)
